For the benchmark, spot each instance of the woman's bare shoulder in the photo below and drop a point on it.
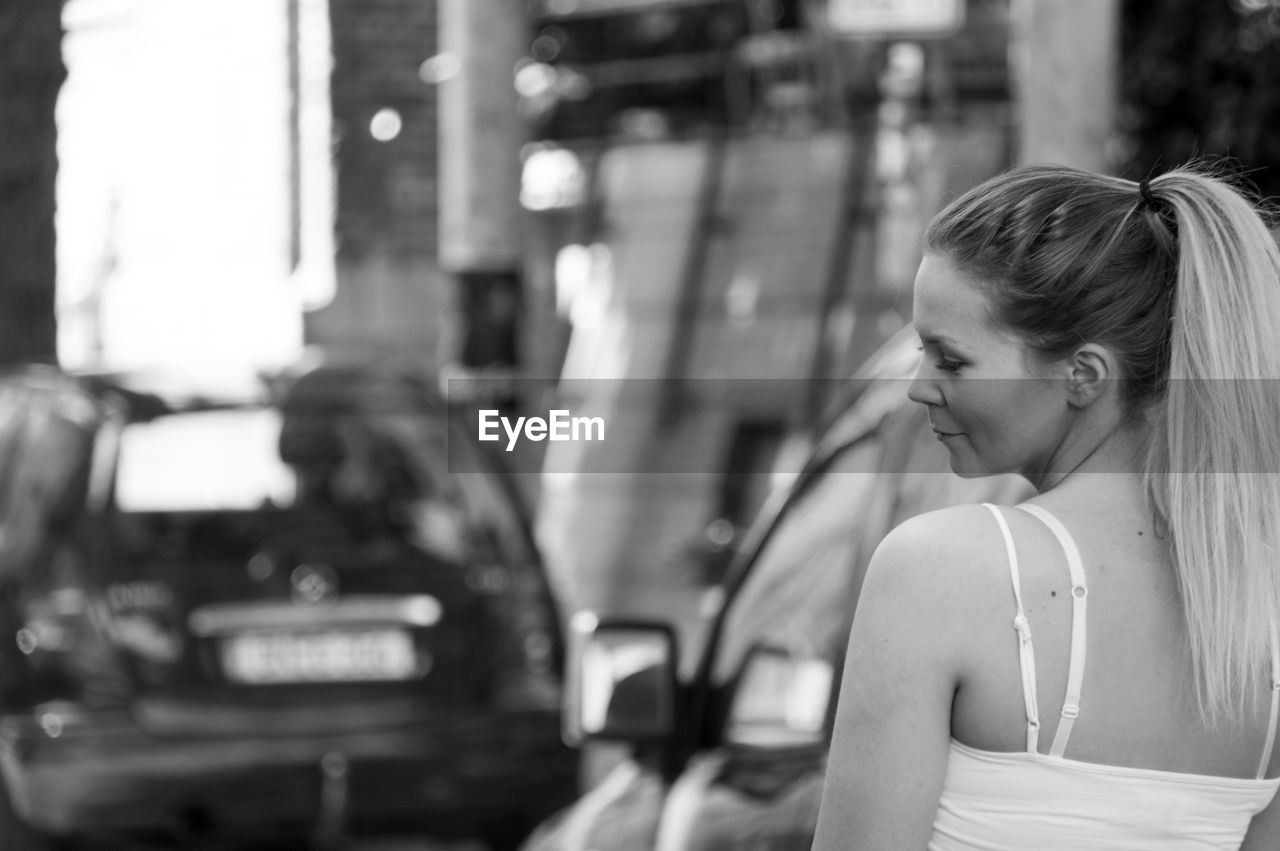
(950, 556)
(958, 532)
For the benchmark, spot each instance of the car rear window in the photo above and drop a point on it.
(204, 461)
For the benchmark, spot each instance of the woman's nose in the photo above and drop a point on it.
(922, 390)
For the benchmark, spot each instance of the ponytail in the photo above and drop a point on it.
(1211, 471)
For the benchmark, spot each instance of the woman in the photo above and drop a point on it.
(1095, 668)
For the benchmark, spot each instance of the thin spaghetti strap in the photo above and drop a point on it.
(1275, 705)
(1079, 633)
(1026, 653)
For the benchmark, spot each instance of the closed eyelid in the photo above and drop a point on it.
(940, 348)
(949, 364)
(940, 360)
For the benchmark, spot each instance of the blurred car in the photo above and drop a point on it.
(278, 616)
(732, 754)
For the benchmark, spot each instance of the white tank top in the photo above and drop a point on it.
(1027, 800)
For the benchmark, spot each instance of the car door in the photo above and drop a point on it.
(749, 772)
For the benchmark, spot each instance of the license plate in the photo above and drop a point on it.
(337, 656)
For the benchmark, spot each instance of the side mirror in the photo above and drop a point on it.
(780, 700)
(621, 680)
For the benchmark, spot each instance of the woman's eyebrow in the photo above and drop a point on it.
(935, 339)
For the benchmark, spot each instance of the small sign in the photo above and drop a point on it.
(895, 18)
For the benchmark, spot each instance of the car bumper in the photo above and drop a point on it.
(99, 774)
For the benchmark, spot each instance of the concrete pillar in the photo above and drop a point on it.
(480, 135)
(1066, 72)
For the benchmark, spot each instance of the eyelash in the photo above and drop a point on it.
(949, 365)
(944, 363)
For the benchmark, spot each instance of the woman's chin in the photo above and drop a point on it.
(967, 467)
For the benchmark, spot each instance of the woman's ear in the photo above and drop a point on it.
(1092, 369)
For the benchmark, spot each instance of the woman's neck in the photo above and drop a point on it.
(1117, 450)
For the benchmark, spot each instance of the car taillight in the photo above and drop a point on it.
(69, 655)
(143, 621)
(54, 622)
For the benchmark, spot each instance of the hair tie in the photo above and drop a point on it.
(1144, 189)
(1166, 229)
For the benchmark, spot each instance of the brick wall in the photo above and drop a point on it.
(386, 191)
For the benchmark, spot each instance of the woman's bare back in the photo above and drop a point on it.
(1138, 706)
